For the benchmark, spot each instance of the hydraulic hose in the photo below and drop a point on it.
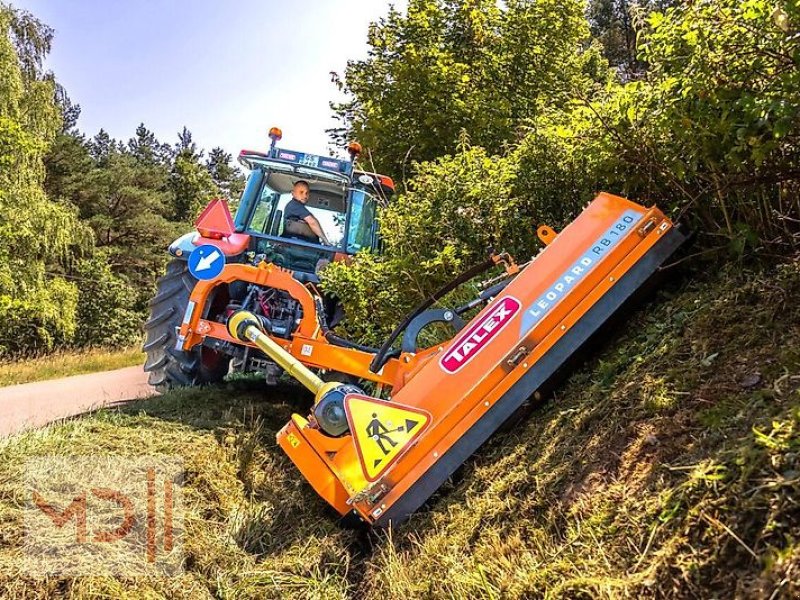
(383, 353)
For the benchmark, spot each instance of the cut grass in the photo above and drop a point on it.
(65, 364)
(662, 469)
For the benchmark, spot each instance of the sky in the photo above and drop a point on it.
(226, 70)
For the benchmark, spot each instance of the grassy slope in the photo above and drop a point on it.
(65, 364)
(666, 467)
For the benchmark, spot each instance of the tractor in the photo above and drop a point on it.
(344, 202)
(243, 293)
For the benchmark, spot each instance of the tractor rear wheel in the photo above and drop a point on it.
(169, 367)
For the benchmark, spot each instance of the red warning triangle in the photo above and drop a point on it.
(215, 221)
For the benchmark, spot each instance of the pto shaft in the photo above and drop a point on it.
(244, 326)
(328, 397)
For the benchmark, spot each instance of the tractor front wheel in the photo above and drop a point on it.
(169, 367)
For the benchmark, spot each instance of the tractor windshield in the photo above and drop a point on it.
(326, 202)
(271, 206)
(346, 208)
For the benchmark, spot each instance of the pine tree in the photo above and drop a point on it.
(146, 149)
(226, 177)
(616, 24)
(191, 184)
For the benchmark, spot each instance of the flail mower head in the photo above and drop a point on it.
(393, 453)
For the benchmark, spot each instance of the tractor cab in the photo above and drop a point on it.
(344, 202)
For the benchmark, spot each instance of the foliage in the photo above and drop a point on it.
(113, 317)
(136, 197)
(83, 223)
(709, 132)
(36, 235)
(457, 209)
(40, 319)
(498, 116)
(451, 65)
(147, 150)
(226, 177)
(713, 130)
(123, 196)
(190, 182)
(124, 202)
(616, 24)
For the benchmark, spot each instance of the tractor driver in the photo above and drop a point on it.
(297, 219)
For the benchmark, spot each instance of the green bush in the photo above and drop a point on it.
(41, 320)
(457, 207)
(711, 135)
(713, 131)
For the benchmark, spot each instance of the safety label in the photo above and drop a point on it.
(382, 430)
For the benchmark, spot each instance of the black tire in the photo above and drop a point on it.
(170, 368)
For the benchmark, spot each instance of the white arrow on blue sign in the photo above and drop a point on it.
(206, 262)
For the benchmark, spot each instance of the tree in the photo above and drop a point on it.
(69, 112)
(37, 237)
(190, 182)
(186, 144)
(616, 24)
(447, 66)
(146, 149)
(123, 194)
(101, 146)
(226, 176)
(68, 165)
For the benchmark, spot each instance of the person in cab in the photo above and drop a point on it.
(298, 221)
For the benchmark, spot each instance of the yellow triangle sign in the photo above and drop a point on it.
(382, 431)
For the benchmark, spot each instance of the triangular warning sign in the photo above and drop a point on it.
(215, 221)
(382, 431)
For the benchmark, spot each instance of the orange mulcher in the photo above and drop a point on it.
(382, 458)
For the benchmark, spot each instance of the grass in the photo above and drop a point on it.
(65, 364)
(667, 467)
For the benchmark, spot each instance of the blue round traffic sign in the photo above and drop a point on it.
(206, 262)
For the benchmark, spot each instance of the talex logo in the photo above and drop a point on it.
(479, 335)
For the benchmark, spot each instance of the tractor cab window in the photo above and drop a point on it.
(363, 209)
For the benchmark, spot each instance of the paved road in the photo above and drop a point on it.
(35, 404)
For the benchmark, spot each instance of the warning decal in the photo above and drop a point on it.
(382, 431)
